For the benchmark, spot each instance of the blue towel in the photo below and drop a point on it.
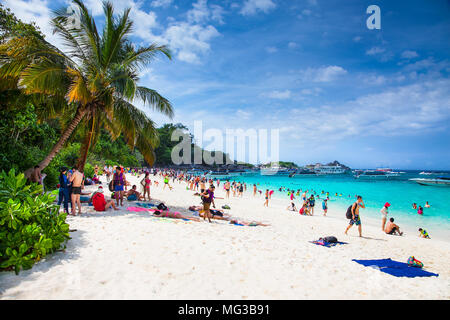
(145, 205)
(327, 244)
(395, 268)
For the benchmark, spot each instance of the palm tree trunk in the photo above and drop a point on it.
(62, 140)
(85, 147)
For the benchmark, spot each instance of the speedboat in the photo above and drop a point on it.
(426, 173)
(439, 181)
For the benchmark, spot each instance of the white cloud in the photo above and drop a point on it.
(292, 45)
(357, 39)
(271, 49)
(251, 7)
(286, 94)
(375, 51)
(189, 40)
(161, 3)
(323, 74)
(408, 54)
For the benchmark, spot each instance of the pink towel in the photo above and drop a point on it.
(137, 209)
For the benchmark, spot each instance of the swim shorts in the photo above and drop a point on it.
(76, 190)
(118, 188)
(356, 221)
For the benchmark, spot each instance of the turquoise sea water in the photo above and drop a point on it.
(400, 193)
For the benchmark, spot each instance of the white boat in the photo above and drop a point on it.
(376, 174)
(440, 181)
(329, 169)
(426, 173)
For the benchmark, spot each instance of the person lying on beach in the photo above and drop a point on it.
(133, 195)
(251, 224)
(173, 215)
(392, 228)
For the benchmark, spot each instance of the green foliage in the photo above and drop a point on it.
(23, 140)
(30, 223)
(11, 26)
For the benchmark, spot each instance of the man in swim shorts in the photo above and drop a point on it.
(76, 180)
(392, 228)
(355, 220)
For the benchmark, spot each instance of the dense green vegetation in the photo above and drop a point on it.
(30, 223)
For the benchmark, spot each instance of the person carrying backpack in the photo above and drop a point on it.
(353, 215)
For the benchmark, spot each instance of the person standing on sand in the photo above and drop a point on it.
(146, 183)
(324, 207)
(227, 188)
(266, 203)
(355, 215)
(254, 190)
(118, 183)
(312, 203)
(76, 180)
(207, 199)
(384, 213)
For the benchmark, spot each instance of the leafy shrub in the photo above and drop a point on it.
(30, 223)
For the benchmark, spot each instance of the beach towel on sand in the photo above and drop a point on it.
(395, 268)
(145, 205)
(326, 244)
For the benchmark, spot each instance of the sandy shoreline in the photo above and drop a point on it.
(127, 255)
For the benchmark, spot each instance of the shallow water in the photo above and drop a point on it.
(399, 192)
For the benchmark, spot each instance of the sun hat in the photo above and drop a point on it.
(387, 204)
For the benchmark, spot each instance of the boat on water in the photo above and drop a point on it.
(426, 173)
(303, 172)
(274, 170)
(439, 181)
(375, 174)
(337, 169)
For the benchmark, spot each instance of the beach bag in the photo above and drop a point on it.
(349, 212)
(162, 206)
(413, 262)
(330, 239)
(111, 186)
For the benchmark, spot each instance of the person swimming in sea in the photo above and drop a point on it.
(420, 210)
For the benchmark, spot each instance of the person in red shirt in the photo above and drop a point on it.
(99, 202)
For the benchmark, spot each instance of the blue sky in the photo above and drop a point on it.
(310, 68)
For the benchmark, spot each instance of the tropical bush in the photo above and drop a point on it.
(30, 223)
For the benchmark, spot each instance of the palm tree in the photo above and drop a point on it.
(96, 74)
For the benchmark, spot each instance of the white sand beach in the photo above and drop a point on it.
(129, 255)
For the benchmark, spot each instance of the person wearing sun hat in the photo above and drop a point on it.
(384, 213)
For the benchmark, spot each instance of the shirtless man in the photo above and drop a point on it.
(355, 215)
(392, 228)
(77, 180)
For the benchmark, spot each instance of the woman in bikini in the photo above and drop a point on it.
(173, 215)
(146, 183)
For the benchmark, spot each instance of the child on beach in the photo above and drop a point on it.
(423, 234)
(325, 207)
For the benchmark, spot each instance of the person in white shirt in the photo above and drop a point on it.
(384, 213)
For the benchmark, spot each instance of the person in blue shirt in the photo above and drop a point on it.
(64, 193)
